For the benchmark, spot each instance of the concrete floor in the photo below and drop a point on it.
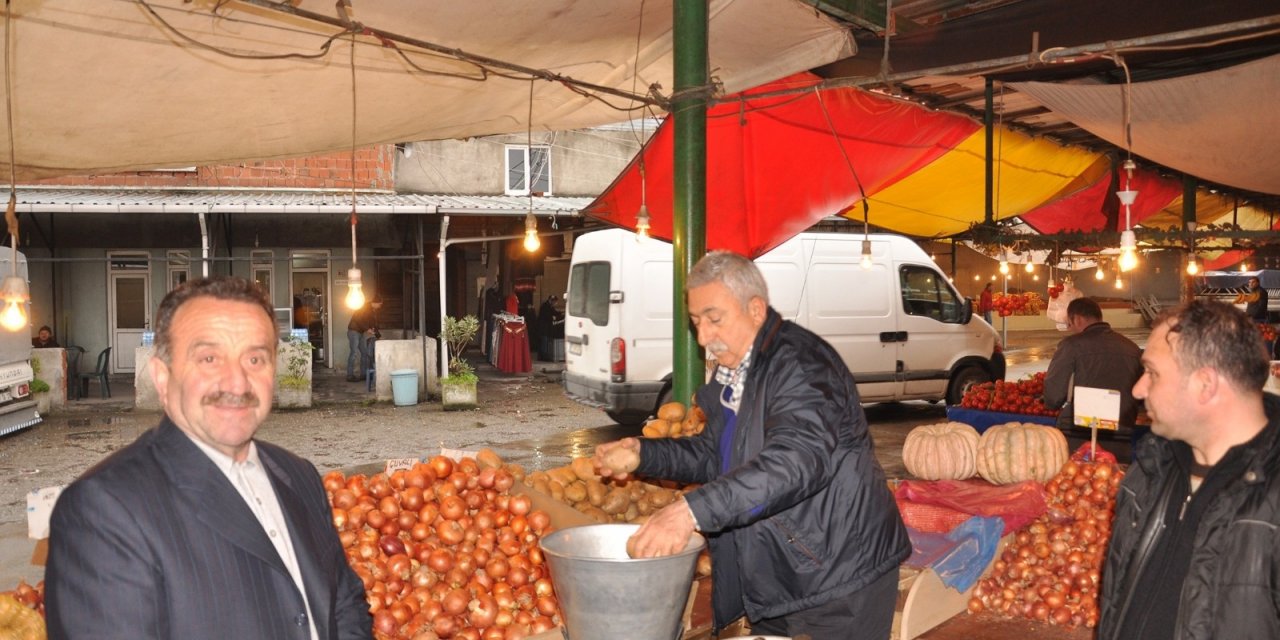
(525, 418)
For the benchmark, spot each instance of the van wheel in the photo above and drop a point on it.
(627, 418)
(964, 378)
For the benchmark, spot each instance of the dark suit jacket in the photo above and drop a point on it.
(155, 542)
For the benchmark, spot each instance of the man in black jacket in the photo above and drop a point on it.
(804, 534)
(1094, 356)
(1194, 551)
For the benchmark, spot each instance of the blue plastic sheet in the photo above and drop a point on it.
(958, 557)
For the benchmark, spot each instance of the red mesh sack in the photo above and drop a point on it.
(1017, 504)
(929, 518)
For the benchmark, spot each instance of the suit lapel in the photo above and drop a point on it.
(210, 497)
(306, 548)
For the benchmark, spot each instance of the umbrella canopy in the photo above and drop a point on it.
(111, 85)
(776, 164)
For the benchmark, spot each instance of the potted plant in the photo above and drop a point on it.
(458, 389)
(293, 373)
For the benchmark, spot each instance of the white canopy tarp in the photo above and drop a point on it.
(1221, 126)
(104, 86)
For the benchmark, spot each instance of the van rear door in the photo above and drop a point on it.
(590, 319)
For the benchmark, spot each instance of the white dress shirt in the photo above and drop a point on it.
(251, 480)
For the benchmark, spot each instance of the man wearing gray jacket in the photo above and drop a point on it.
(1095, 356)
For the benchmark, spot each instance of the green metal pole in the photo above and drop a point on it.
(689, 229)
(988, 124)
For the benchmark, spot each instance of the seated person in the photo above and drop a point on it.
(44, 339)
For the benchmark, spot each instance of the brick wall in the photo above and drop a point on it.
(373, 170)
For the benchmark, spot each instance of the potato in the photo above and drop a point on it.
(631, 513)
(564, 475)
(694, 421)
(615, 501)
(542, 485)
(640, 519)
(622, 460)
(517, 472)
(704, 563)
(488, 459)
(583, 468)
(643, 508)
(575, 491)
(671, 412)
(659, 499)
(534, 477)
(635, 491)
(656, 428)
(596, 492)
(556, 489)
(596, 514)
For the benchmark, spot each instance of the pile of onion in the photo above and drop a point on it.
(445, 551)
(1051, 570)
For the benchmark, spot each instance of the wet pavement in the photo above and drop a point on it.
(524, 417)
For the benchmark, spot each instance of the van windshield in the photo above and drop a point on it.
(926, 293)
(589, 292)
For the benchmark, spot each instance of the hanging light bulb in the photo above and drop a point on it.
(1099, 275)
(15, 296)
(1193, 267)
(355, 290)
(642, 224)
(1035, 278)
(976, 277)
(1128, 250)
(1244, 266)
(866, 255)
(1119, 282)
(531, 242)
(1004, 264)
(1030, 267)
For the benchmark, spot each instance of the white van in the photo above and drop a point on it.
(902, 329)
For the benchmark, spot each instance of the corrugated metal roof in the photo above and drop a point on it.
(186, 201)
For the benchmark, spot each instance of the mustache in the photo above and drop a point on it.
(717, 347)
(232, 400)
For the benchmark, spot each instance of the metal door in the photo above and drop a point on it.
(130, 316)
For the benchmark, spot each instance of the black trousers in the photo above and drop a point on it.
(866, 614)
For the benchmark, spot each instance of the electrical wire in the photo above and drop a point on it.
(866, 208)
(10, 214)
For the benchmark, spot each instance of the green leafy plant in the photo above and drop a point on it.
(456, 335)
(37, 385)
(295, 365)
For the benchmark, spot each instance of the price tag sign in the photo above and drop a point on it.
(1098, 408)
(399, 464)
(457, 454)
(39, 507)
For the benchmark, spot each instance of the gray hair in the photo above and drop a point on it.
(1221, 337)
(739, 275)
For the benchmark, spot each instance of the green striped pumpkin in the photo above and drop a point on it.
(946, 451)
(1017, 451)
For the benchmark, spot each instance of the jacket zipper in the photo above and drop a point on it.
(1154, 527)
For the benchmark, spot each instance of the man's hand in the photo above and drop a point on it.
(666, 533)
(617, 459)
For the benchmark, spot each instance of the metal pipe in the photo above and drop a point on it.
(1020, 61)
(204, 244)
(988, 164)
(444, 244)
(688, 225)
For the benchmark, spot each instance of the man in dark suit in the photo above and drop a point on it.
(196, 530)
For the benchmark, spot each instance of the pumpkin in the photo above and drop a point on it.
(946, 451)
(1017, 451)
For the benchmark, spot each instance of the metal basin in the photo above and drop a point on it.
(605, 595)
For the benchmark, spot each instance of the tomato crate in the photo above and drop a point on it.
(981, 420)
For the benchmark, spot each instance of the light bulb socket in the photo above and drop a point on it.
(14, 289)
(1127, 197)
(1128, 240)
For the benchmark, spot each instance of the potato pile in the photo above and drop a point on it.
(674, 422)
(578, 486)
